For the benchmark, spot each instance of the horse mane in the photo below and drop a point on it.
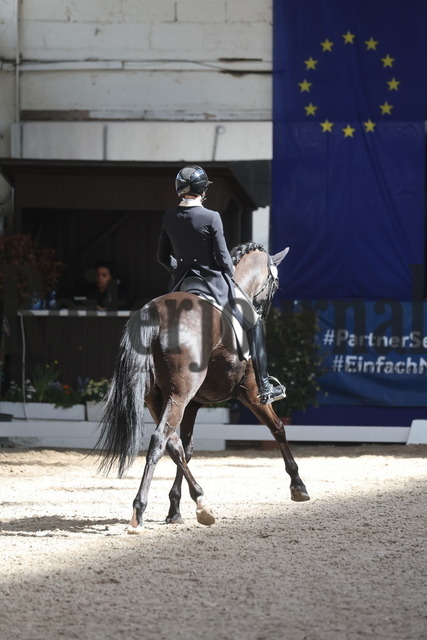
(242, 249)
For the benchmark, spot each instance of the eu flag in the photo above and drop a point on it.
(349, 142)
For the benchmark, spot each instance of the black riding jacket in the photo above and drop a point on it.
(192, 243)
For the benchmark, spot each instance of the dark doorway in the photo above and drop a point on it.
(81, 238)
(112, 211)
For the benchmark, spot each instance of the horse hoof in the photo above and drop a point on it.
(204, 514)
(135, 530)
(174, 520)
(299, 495)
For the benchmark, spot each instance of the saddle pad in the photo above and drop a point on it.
(239, 332)
(197, 286)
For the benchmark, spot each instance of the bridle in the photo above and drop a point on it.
(271, 284)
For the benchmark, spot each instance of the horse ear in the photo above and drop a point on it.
(278, 257)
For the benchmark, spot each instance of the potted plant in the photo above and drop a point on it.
(294, 357)
(28, 272)
(44, 397)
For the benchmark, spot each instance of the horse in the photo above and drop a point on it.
(176, 354)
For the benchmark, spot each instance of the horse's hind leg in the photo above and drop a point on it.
(168, 424)
(186, 431)
(154, 453)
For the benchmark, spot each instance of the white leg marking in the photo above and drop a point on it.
(134, 527)
(204, 513)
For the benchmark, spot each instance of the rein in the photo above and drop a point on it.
(271, 284)
(262, 288)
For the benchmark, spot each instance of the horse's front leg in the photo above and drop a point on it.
(186, 430)
(267, 416)
(174, 514)
(204, 512)
(181, 451)
(299, 492)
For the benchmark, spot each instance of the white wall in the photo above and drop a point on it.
(150, 65)
(261, 226)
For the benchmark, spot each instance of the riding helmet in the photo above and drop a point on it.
(191, 180)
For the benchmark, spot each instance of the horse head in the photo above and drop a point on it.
(257, 274)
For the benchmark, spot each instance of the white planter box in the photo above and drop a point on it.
(213, 415)
(206, 415)
(42, 411)
(94, 410)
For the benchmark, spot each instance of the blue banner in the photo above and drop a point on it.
(375, 352)
(349, 144)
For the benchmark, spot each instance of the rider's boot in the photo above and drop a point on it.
(268, 392)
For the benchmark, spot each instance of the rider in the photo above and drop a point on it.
(192, 244)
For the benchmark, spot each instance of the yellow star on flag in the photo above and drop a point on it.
(326, 126)
(387, 61)
(310, 110)
(349, 37)
(310, 63)
(371, 44)
(348, 131)
(386, 108)
(369, 125)
(393, 84)
(304, 85)
(327, 45)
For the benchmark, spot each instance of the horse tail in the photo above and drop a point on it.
(122, 422)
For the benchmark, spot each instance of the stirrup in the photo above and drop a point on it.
(274, 393)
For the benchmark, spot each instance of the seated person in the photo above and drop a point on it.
(105, 291)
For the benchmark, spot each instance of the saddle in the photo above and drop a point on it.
(196, 285)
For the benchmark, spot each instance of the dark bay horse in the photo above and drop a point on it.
(177, 354)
